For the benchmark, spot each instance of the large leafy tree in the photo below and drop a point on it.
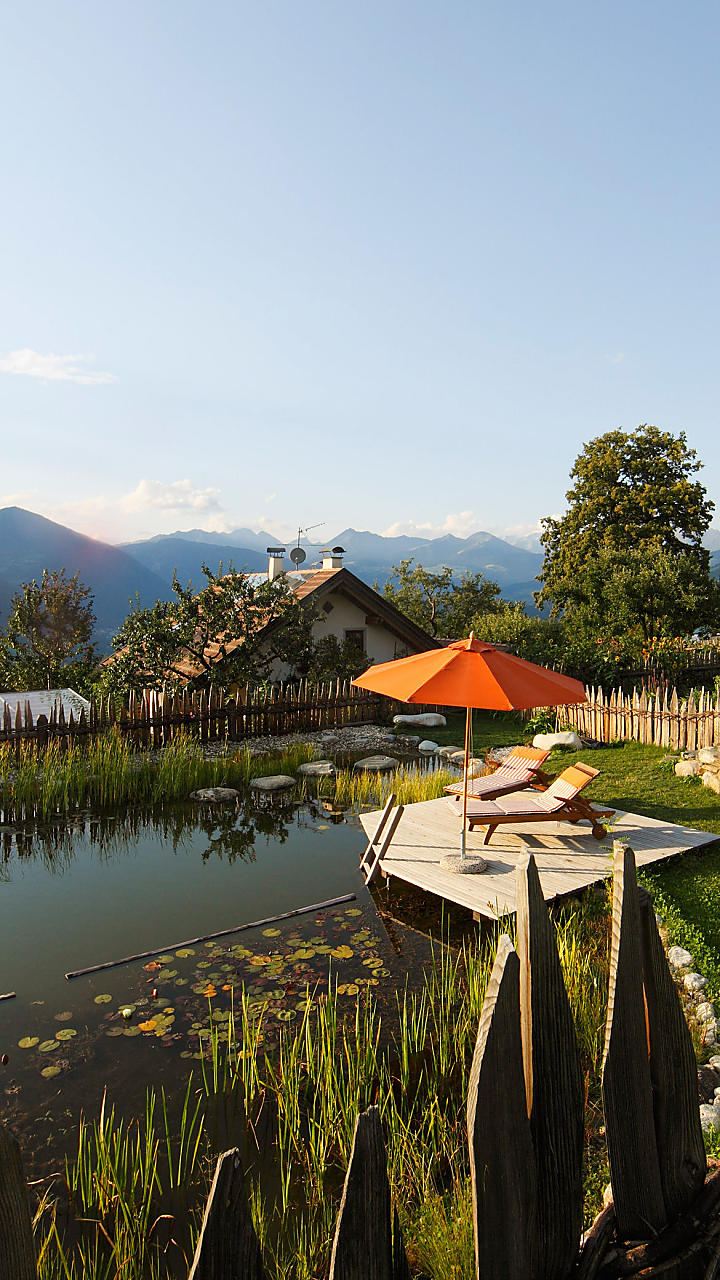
(230, 632)
(628, 550)
(436, 601)
(47, 643)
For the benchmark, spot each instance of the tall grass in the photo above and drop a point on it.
(108, 771)
(354, 790)
(142, 1187)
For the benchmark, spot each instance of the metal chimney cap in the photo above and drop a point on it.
(275, 551)
(338, 551)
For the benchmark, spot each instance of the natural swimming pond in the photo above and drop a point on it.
(98, 888)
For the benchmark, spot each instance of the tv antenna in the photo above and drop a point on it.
(297, 555)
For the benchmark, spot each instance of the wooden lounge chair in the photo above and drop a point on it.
(561, 802)
(518, 770)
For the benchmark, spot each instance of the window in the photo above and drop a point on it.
(356, 639)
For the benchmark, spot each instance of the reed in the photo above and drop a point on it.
(107, 771)
(409, 785)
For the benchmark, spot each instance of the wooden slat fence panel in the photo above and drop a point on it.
(502, 1158)
(627, 1087)
(553, 1080)
(664, 720)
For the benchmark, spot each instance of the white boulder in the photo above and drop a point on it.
(694, 982)
(709, 1115)
(317, 769)
(426, 720)
(567, 738)
(428, 745)
(705, 1012)
(712, 780)
(688, 768)
(679, 958)
(709, 755)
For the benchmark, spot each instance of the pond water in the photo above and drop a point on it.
(101, 888)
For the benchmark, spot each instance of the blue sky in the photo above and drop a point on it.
(382, 265)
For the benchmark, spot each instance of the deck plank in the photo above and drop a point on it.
(568, 857)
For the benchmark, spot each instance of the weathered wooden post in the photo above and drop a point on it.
(227, 1247)
(367, 1244)
(17, 1250)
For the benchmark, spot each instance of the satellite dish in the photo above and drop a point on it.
(297, 555)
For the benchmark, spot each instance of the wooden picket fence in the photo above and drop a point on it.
(680, 724)
(152, 718)
(525, 1115)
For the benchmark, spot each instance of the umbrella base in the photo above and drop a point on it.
(471, 865)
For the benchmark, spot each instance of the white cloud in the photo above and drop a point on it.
(51, 368)
(459, 523)
(153, 506)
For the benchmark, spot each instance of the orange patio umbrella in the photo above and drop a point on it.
(471, 673)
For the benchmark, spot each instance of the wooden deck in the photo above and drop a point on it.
(568, 857)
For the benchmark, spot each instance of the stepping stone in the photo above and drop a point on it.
(428, 746)
(376, 764)
(318, 769)
(273, 782)
(215, 795)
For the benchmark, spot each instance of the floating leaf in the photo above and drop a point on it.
(164, 959)
(65, 1016)
(260, 960)
(165, 975)
(342, 953)
(151, 966)
(382, 973)
(150, 1025)
(353, 911)
(184, 952)
(103, 999)
(348, 989)
(114, 1031)
(28, 1042)
(181, 982)
(131, 1031)
(304, 953)
(203, 964)
(66, 1033)
(286, 1015)
(271, 933)
(47, 1046)
(49, 1072)
(373, 962)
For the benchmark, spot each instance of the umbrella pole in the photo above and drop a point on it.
(466, 767)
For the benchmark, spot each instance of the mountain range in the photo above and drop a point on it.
(30, 543)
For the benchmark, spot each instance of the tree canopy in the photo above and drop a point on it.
(628, 551)
(232, 630)
(47, 640)
(436, 601)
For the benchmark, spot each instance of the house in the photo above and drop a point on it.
(346, 607)
(43, 702)
(350, 610)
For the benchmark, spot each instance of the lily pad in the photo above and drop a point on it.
(103, 999)
(184, 952)
(28, 1042)
(49, 1072)
(150, 1025)
(65, 1016)
(258, 961)
(353, 911)
(164, 959)
(66, 1033)
(271, 933)
(342, 953)
(47, 1046)
(131, 1031)
(286, 1015)
(348, 989)
(114, 1031)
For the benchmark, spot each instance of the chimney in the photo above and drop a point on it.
(332, 558)
(276, 562)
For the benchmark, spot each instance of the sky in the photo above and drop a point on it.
(380, 265)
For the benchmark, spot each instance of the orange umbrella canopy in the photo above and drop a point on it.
(471, 673)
